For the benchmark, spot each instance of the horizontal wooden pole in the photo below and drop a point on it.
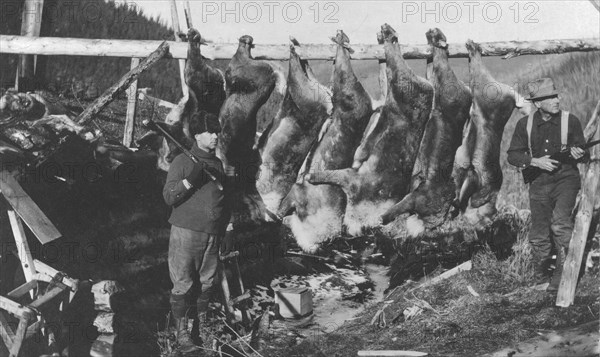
(138, 48)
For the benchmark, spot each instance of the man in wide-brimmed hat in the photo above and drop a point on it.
(552, 195)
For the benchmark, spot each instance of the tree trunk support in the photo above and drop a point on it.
(176, 30)
(123, 83)
(30, 26)
(584, 218)
(131, 106)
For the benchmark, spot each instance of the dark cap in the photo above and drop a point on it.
(203, 121)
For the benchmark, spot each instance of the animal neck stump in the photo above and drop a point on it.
(245, 45)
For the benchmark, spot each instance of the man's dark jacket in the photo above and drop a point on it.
(203, 208)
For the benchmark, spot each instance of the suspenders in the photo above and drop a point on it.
(564, 130)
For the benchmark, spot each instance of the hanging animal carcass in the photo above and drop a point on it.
(318, 210)
(250, 85)
(477, 172)
(383, 163)
(293, 131)
(433, 189)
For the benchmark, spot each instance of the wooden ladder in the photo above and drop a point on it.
(44, 284)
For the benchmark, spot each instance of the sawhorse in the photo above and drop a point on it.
(44, 284)
(229, 302)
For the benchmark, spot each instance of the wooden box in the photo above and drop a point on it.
(294, 302)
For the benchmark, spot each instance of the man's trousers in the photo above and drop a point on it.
(552, 198)
(193, 261)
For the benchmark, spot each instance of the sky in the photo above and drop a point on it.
(316, 21)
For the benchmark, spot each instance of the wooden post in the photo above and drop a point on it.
(22, 246)
(30, 26)
(176, 29)
(188, 15)
(429, 70)
(123, 83)
(593, 125)
(383, 79)
(583, 220)
(131, 105)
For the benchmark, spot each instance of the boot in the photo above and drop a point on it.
(561, 256)
(203, 331)
(179, 309)
(184, 339)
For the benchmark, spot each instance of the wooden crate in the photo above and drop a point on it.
(294, 302)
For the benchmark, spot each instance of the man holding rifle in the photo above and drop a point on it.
(199, 218)
(546, 131)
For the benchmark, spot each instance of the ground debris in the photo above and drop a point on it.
(446, 318)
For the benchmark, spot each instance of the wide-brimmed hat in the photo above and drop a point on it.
(541, 88)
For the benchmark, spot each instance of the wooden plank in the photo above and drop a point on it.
(56, 290)
(51, 272)
(583, 220)
(225, 291)
(15, 308)
(6, 330)
(176, 30)
(23, 289)
(46, 273)
(123, 83)
(131, 105)
(390, 353)
(31, 25)
(140, 48)
(445, 275)
(156, 101)
(22, 246)
(29, 212)
(19, 337)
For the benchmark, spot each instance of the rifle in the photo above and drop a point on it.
(153, 126)
(531, 173)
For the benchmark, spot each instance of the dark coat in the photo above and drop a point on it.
(202, 209)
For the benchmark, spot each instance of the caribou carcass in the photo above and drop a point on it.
(383, 163)
(206, 84)
(478, 173)
(432, 187)
(250, 84)
(318, 210)
(287, 140)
